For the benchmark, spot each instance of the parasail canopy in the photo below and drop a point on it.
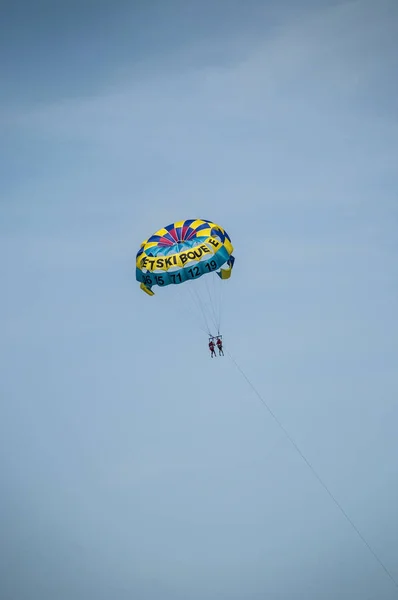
(184, 251)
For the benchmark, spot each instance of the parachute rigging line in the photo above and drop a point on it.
(314, 472)
(212, 300)
(196, 317)
(197, 299)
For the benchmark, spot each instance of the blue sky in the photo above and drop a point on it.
(132, 465)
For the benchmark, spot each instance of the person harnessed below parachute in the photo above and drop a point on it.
(212, 347)
(219, 345)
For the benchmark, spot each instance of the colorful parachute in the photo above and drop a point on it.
(183, 251)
